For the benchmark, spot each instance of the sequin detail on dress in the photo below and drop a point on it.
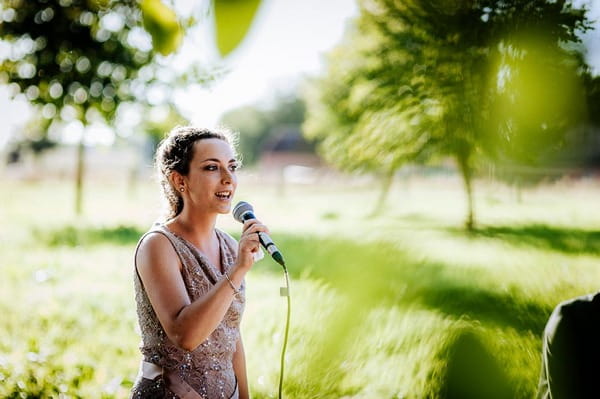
(208, 369)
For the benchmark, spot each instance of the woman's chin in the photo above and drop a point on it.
(224, 208)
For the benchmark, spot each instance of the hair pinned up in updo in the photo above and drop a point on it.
(174, 154)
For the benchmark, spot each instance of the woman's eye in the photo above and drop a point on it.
(234, 167)
(211, 167)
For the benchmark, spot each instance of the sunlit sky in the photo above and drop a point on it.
(287, 41)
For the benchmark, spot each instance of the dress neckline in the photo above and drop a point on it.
(219, 271)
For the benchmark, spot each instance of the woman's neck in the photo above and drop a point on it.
(195, 227)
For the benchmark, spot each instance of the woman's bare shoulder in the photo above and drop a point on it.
(155, 249)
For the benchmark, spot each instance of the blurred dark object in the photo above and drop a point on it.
(571, 350)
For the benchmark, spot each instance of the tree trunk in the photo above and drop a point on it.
(79, 172)
(466, 172)
(387, 180)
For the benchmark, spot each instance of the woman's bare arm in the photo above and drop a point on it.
(189, 323)
(186, 323)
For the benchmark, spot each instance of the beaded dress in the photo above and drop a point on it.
(208, 369)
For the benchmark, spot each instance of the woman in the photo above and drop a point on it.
(189, 279)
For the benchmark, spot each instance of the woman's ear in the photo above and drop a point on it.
(176, 180)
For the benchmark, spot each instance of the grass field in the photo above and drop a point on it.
(403, 305)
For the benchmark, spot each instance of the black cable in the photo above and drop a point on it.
(287, 328)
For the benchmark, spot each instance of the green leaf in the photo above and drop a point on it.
(233, 19)
(98, 5)
(161, 22)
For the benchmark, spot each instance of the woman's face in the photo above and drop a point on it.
(211, 181)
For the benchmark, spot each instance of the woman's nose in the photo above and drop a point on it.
(226, 176)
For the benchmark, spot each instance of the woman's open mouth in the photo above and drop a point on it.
(223, 195)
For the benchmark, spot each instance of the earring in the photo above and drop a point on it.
(181, 189)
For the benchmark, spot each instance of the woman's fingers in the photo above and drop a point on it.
(254, 226)
(250, 240)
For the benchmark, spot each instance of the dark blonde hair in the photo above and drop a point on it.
(174, 154)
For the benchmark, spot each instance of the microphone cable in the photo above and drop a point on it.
(285, 291)
(242, 212)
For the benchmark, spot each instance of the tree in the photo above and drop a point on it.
(75, 60)
(257, 125)
(592, 138)
(79, 60)
(538, 111)
(416, 78)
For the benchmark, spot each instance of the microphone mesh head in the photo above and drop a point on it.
(241, 208)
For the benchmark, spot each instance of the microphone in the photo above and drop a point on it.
(243, 211)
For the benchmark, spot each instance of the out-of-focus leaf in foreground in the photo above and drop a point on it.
(233, 19)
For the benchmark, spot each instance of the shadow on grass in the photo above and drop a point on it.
(502, 310)
(371, 274)
(374, 275)
(75, 236)
(380, 274)
(567, 240)
(472, 371)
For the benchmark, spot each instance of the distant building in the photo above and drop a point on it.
(289, 157)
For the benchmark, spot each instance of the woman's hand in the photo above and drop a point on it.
(249, 243)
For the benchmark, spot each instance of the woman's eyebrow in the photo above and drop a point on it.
(217, 160)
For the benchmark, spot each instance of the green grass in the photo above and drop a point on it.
(405, 305)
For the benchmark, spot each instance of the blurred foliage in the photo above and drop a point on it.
(79, 60)
(233, 19)
(76, 58)
(539, 97)
(592, 86)
(34, 139)
(257, 126)
(539, 124)
(590, 137)
(160, 120)
(565, 102)
(73, 236)
(161, 22)
(415, 80)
